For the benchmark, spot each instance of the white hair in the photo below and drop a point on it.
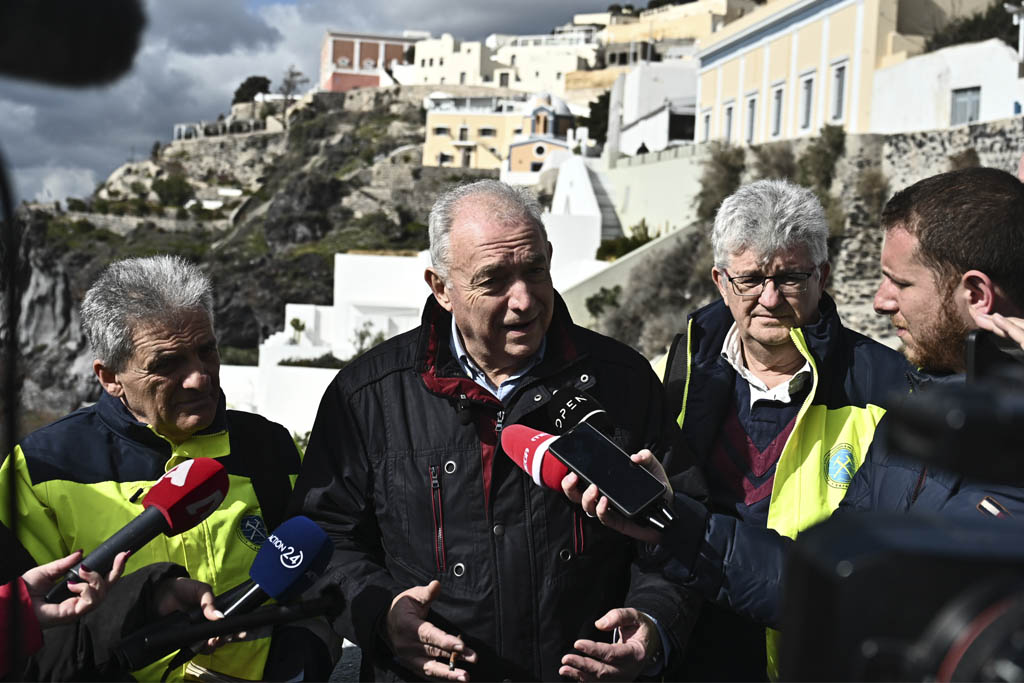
(769, 216)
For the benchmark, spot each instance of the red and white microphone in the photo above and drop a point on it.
(179, 500)
(528, 448)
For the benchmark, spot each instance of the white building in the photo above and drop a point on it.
(658, 106)
(969, 83)
(446, 60)
(539, 63)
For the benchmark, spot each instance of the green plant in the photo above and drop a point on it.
(297, 328)
(328, 360)
(365, 339)
(817, 165)
(720, 177)
(604, 298)
(234, 355)
(638, 236)
(774, 160)
(301, 441)
(992, 23)
(174, 190)
(873, 189)
(75, 204)
(139, 189)
(967, 158)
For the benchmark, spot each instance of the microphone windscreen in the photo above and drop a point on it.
(69, 43)
(291, 558)
(528, 449)
(570, 406)
(188, 493)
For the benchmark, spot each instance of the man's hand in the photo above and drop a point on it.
(416, 642)
(180, 594)
(1009, 327)
(596, 505)
(621, 661)
(88, 593)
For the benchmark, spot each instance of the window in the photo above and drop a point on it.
(966, 104)
(503, 80)
(423, 62)
(443, 159)
(707, 127)
(558, 76)
(442, 130)
(536, 165)
(440, 61)
(463, 134)
(539, 150)
(727, 121)
(462, 78)
(838, 91)
(751, 116)
(776, 112)
(806, 101)
(431, 61)
(486, 132)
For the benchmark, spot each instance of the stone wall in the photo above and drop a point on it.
(123, 225)
(909, 157)
(244, 157)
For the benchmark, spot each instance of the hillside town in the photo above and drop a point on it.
(668, 89)
(662, 174)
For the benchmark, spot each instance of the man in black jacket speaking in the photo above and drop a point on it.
(443, 544)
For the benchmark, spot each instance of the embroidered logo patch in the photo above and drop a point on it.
(840, 464)
(252, 531)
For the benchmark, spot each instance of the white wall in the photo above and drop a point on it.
(660, 187)
(651, 132)
(286, 394)
(387, 291)
(648, 86)
(917, 94)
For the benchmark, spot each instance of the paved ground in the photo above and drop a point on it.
(348, 668)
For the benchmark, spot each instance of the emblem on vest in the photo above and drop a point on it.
(253, 531)
(840, 464)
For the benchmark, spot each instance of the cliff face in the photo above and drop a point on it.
(346, 175)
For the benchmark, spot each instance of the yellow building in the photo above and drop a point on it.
(477, 132)
(690, 20)
(792, 66)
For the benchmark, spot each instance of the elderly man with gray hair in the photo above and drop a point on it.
(778, 403)
(454, 563)
(149, 322)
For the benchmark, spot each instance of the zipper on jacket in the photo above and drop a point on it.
(577, 533)
(499, 422)
(438, 512)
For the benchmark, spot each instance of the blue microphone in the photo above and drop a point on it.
(288, 563)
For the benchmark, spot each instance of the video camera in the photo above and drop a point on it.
(892, 596)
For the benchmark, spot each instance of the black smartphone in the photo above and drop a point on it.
(595, 458)
(988, 353)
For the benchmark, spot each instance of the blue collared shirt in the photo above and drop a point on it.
(469, 366)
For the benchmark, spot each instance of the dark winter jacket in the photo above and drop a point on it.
(404, 470)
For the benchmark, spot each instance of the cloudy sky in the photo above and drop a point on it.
(61, 142)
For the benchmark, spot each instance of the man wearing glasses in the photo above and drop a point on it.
(777, 402)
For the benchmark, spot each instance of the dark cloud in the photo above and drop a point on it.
(194, 53)
(202, 27)
(464, 19)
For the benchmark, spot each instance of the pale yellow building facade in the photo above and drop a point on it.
(478, 132)
(792, 66)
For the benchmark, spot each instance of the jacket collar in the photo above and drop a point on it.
(442, 373)
(120, 420)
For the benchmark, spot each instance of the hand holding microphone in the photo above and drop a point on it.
(179, 500)
(632, 491)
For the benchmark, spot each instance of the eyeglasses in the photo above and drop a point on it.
(753, 285)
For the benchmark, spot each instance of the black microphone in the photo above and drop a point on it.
(69, 43)
(179, 500)
(287, 563)
(570, 406)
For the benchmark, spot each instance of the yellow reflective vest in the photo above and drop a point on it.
(82, 478)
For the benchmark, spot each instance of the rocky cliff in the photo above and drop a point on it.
(270, 210)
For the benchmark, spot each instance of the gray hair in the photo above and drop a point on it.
(140, 290)
(506, 204)
(769, 216)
